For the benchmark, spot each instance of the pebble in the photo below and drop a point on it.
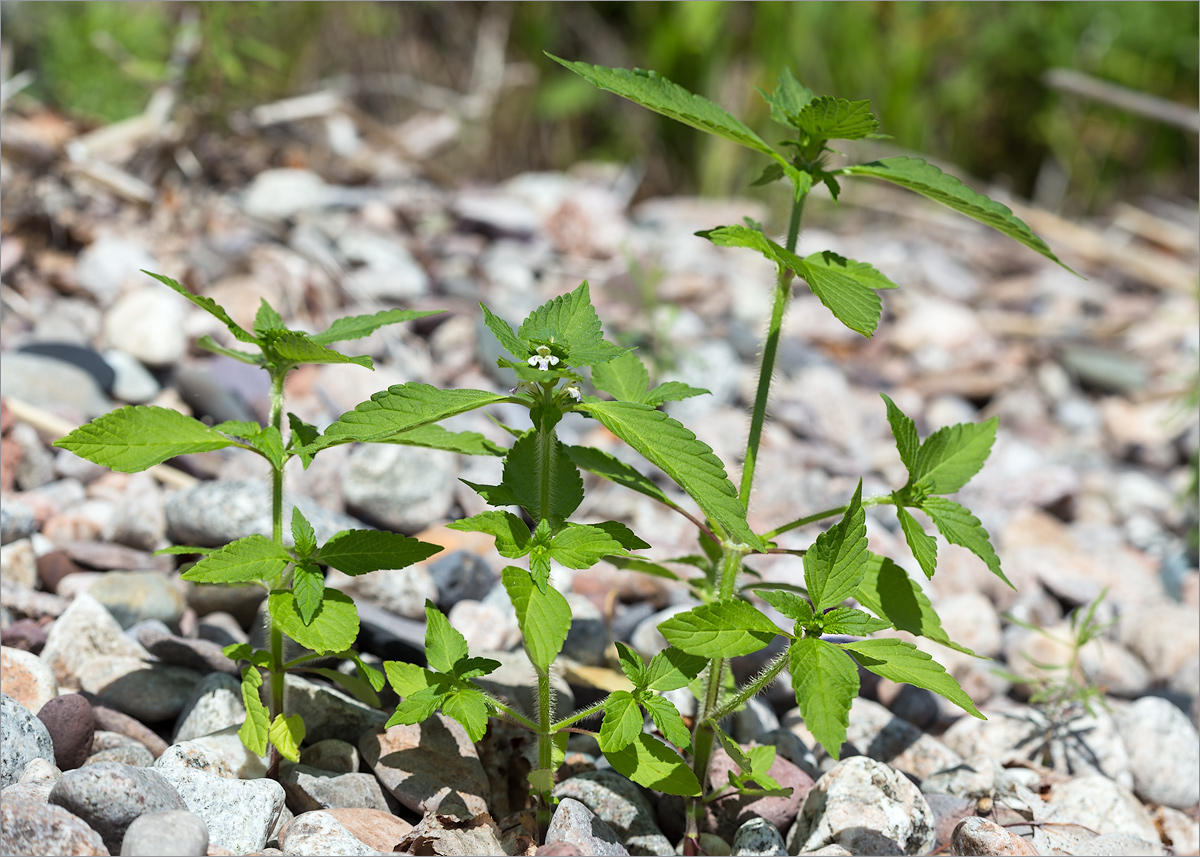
(587, 638)
(110, 263)
(425, 493)
(172, 833)
(753, 722)
(310, 788)
(27, 678)
(389, 270)
(135, 596)
(1094, 801)
(36, 781)
(1179, 830)
(374, 828)
(226, 746)
(866, 807)
(454, 829)
(85, 630)
(573, 822)
(25, 739)
(327, 712)
(118, 722)
(646, 639)
(239, 814)
(17, 520)
(53, 385)
(18, 564)
(133, 754)
(978, 836)
(52, 567)
(1164, 752)
(29, 826)
(489, 625)
(422, 764)
(332, 754)
(197, 654)
(402, 591)
(214, 704)
(615, 800)
(1165, 635)
(25, 635)
(194, 756)
(76, 355)
(319, 833)
(68, 719)
(460, 575)
(109, 796)
(35, 467)
(887, 738)
(758, 837)
(141, 520)
(150, 692)
(132, 382)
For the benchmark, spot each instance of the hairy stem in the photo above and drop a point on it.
(753, 688)
(545, 747)
(275, 702)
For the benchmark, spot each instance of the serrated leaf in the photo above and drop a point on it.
(622, 721)
(624, 378)
(825, 681)
(270, 443)
(772, 172)
(368, 673)
(543, 615)
(436, 437)
(302, 434)
(851, 622)
(610, 467)
(672, 669)
(400, 408)
(672, 391)
(267, 319)
(444, 645)
(352, 684)
(904, 662)
(209, 344)
(631, 664)
(303, 535)
(468, 707)
(888, 592)
(287, 733)
(621, 534)
(790, 604)
(407, 679)
(177, 550)
(237, 651)
(239, 428)
(788, 99)
(358, 326)
(829, 118)
(734, 750)
(668, 720)
(308, 585)
(258, 720)
(668, 445)
(720, 629)
(542, 478)
(833, 566)
(248, 559)
(651, 763)
(570, 321)
(504, 334)
(208, 305)
(950, 456)
(466, 668)
(510, 532)
(581, 546)
(136, 437)
(904, 430)
(493, 495)
(655, 92)
(924, 178)
(959, 527)
(357, 552)
(922, 545)
(296, 347)
(418, 707)
(334, 627)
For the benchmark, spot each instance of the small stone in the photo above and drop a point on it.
(1164, 752)
(374, 828)
(1096, 802)
(389, 270)
(25, 635)
(68, 719)
(132, 754)
(239, 814)
(460, 575)
(486, 626)
(587, 638)
(422, 764)
(132, 382)
(423, 494)
(17, 520)
(84, 631)
(141, 519)
(978, 836)
(25, 739)
(757, 837)
(1179, 830)
(27, 678)
(753, 722)
(134, 596)
(117, 722)
(148, 324)
(18, 564)
(616, 800)
(402, 591)
(194, 756)
(327, 712)
(454, 829)
(972, 779)
(109, 796)
(198, 654)
(29, 826)
(646, 639)
(332, 754)
(278, 194)
(149, 692)
(226, 746)
(36, 782)
(320, 833)
(52, 384)
(110, 263)
(52, 567)
(574, 823)
(1164, 635)
(1123, 845)
(311, 789)
(173, 833)
(887, 738)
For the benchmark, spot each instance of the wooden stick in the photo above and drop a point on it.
(1139, 103)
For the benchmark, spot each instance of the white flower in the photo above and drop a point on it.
(543, 359)
(572, 390)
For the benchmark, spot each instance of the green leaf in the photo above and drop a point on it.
(254, 730)
(622, 721)
(355, 686)
(209, 344)
(643, 566)
(672, 669)
(668, 720)
(368, 673)
(826, 682)
(950, 456)
(302, 434)
(923, 178)
(357, 552)
(239, 428)
(267, 319)
(720, 629)
(651, 763)
(794, 606)
(308, 585)
(400, 408)
(544, 615)
(581, 546)
(333, 628)
(436, 437)
(539, 461)
(620, 533)
(358, 326)
(504, 334)
(176, 550)
(959, 527)
(466, 668)
(493, 495)
(904, 430)
(469, 707)
(407, 679)
(734, 750)
(570, 321)
(922, 545)
(829, 118)
(655, 92)
(248, 559)
(417, 707)
(672, 391)
(631, 664)
(833, 566)
(136, 437)
(303, 536)
(296, 347)
(210, 306)
(624, 378)
(853, 623)
(610, 467)
(270, 443)
(904, 662)
(888, 592)
(667, 444)
(444, 645)
(511, 533)
(287, 733)
(788, 99)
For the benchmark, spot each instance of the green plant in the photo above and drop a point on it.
(541, 477)
(320, 619)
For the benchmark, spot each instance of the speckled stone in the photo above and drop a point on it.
(68, 719)
(1098, 803)
(84, 631)
(29, 826)
(202, 655)
(195, 757)
(134, 596)
(1164, 752)
(978, 836)
(374, 828)
(25, 739)
(311, 788)
(133, 754)
(27, 678)
(327, 712)
(240, 814)
(575, 823)
(614, 799)
(174, 833)
(148, 691)
(887, 738)
(319, 833)
(109, 796)
(758, 838)
(214, 704)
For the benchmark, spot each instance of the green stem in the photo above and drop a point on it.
(545, 747)
(807, 519)
(591, 711)
(754, 687)
(783, 295)
(278, 671)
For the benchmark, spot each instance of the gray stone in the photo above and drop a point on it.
(646, 639)
(84, 631)
(109, 796)
(883, 736)
(758, 838)
(195, 757)
(389, 270)
(278, 194)
(753, 722)
(132, 754)
(1164, 752)
(149, 692)
(587, 638)
(133, 383)
(460, 575)
(30, 826)
(489, 625)
(401, 488)
(402, 591)
(1123, 845)
(214, 704)
(25, 739)
(201, 655)
(134, 596)
(17, 520)
(109, 263)
(792, 747)
(332, 754)
(866, 807)
(650, 844)
(319, 833)
(35, 467)
(454, 829)
(174, 833)
(973, 778)
(141, 520)
(228, 747)
(310, 788)
(45, 382)
(574, 823)
(1094, 801)
(614, 799)
(327, 712)
(239, 814)
(425, 763)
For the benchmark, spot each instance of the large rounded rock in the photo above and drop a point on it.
(27, 678)
(175, 833)
(978, 836)
(402, 488)
(29, 826)
(240, 814)
(149, 692)
(133, 596)
(25, 739)
(1164, 752)
(85, 630)
(68, 719)
(109, 796)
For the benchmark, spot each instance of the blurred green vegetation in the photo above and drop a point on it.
(957, 81)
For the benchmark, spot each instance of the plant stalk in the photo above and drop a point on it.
(545, 748)
(275, 702)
